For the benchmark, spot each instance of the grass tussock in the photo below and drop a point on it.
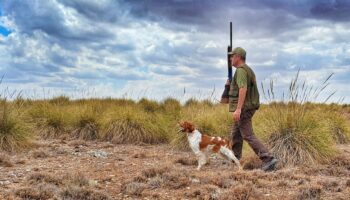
(132, 125)
(86, 125)
(14, 131)
(339, 127)
(51, 120)
(296, 131)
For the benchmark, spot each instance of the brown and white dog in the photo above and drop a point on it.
(202, 144)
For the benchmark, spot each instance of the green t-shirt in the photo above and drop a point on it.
(244, 77)
(241, 78)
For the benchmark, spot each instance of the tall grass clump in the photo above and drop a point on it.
(339, 127)
(60, 100)
(14, 132)
(149, 106)
(171, 108)
(133, 125)
(51, 120)
(296, 133)
(86, 123)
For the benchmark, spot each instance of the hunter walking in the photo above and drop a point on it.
(243, 102)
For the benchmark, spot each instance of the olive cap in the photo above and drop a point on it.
(238, 50)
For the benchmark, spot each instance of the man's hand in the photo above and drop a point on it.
(237, 115)
(228, 82)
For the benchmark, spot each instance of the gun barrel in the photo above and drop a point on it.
(231, 34)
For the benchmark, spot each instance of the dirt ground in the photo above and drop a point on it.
(75, 169)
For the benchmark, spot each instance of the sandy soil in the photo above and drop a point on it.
(64, 169)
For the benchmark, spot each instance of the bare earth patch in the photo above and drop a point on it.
(80, 169)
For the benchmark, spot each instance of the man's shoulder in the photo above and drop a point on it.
(241, 70)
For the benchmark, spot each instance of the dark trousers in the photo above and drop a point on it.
(243, 130)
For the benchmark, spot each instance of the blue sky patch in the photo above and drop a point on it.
(4, 31)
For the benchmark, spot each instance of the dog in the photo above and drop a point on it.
(201, 144)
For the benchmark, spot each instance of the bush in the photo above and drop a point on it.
(339, 127)
(149, 105)
(51, 120)
(296, 139)
(131, 125)
(14, 132)
(86, 123)
(296, 131)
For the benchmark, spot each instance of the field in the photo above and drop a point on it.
(77, 169)
(122, 149)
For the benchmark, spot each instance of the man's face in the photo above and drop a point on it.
(234, 58)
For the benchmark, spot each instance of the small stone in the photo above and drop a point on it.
(5, 182)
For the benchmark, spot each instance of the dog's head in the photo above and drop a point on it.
(186, 127)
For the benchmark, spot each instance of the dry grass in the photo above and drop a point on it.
(296, 130)
(313, 191)
(78, 193)
(42, 192)
(186, 161)
(134, 188)
(242, 192)
(36, 178)
(5, 161)
(40, 154)
(74, 186)
(14, 132)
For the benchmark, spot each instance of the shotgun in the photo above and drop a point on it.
(224, 96)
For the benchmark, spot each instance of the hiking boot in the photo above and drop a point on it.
(269, 166)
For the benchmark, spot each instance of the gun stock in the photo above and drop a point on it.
(225, 96)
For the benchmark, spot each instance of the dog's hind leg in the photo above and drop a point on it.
(230, 156)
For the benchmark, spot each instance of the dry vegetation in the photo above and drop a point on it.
(123, 149)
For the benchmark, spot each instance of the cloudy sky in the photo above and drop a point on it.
(173, 48)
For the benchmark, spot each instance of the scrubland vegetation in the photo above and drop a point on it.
(299, 133)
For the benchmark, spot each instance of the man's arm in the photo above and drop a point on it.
(241, 99)
(242, 83)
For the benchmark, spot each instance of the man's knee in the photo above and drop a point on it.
(248, 137)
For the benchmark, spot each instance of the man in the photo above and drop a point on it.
(243, 102)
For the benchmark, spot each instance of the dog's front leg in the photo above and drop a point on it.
(202, 160)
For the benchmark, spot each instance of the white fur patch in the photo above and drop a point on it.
(194, 139)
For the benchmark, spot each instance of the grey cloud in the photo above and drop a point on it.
(338, 10)
(46, 16)
(100, 11)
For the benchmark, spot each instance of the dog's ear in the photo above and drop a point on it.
(191, 127)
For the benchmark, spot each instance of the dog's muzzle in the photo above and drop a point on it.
(181, 130)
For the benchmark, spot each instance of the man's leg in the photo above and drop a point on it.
(237, 141)
(246, 129)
